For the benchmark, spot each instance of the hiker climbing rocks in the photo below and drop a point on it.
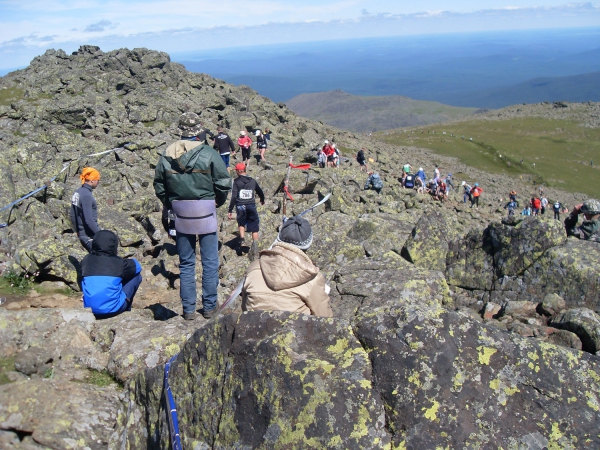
(512, 195)
(536, 204)
(321, 158)
(84, 211)
(449, 184)
(224, 145)
(362, 160)
(261, 144)
(543, 205)
(329, 151)
(409, 181)
(375, 182)
(109, 281)
(467, 191)
(336, 157)
(245, 144)
(284, 278)
(590, 228)
(511, 206)
(243, 200)
(192, 181)
(407, 168)
(557, 208)
(191, 128)
(421, 175)
(475, 194)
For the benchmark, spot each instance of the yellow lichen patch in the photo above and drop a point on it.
(495, 384)
(485, 354)
(533, 355)
(511, 390)
(572, 399)
(592, 374)
(556, 434)
(335, 441)
(172, 349)
(431, 413)
(414, 378)
(3, 323)
(157, 340)
(13, 408)
(366, 384)
(459, 380)
(592, 401)
(400, 446)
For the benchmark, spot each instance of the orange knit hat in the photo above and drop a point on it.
(89, 174)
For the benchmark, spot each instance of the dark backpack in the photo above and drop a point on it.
(409, 181)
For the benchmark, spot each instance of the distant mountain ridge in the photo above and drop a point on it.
(362, 114)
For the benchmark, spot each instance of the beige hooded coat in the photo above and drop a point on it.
(285, 279)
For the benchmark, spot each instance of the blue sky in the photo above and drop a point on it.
(28, 28)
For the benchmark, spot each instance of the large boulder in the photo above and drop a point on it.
(59, 414)
(264, 379)
(451, 382)
(584, 322)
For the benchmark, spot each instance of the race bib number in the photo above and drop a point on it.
(246, 194)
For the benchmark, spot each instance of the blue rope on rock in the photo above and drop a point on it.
(171, 409)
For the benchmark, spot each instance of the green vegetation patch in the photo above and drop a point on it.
(558, 153)
(99, 378)
(10, 95)
(6, 365)
(12, 282)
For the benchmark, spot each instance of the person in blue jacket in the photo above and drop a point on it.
(109, 281)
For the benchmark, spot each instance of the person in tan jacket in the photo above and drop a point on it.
(284, 278)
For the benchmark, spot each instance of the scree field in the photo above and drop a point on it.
(559, 153)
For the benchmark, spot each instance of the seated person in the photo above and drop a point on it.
(374, 181)
(284, 278)
(109, 281)
(589, 229)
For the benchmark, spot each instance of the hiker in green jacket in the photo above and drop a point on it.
(589, 230)
(192, 181)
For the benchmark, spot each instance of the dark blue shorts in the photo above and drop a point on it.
(225, 159)
(247, 216)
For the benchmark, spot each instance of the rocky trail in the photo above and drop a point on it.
(454, 327)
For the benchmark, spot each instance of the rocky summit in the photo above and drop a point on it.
(453, 327)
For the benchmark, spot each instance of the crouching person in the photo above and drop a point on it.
(284, 278)
(109, 281)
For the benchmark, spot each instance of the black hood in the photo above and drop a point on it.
(105, 243)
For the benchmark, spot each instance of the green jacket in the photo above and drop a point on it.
(588, 230)
(188, 171)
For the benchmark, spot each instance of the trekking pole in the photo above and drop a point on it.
(286, 181)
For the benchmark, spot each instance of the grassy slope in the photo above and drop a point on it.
(363, 114)
(560, 149)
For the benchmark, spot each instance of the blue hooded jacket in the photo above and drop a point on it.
(104, 274)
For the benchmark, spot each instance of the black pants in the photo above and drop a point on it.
(557, 215)
(245, 153)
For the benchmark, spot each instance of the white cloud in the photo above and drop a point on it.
(186, 25)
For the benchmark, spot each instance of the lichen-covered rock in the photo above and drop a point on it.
(571, 271)
(20, 330)
(552, 304)
(59, 414)
(450, 382)
(369, 283)
(427, 245)
(267, 380)
(584, 322)
(517, 248)
(470, 263)
(135, 341)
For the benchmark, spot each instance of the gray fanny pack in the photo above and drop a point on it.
(195, 216)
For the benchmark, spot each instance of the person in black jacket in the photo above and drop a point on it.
(224, 145)
(243, 200)
(109, 281)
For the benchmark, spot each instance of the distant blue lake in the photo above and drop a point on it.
(485, 70)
